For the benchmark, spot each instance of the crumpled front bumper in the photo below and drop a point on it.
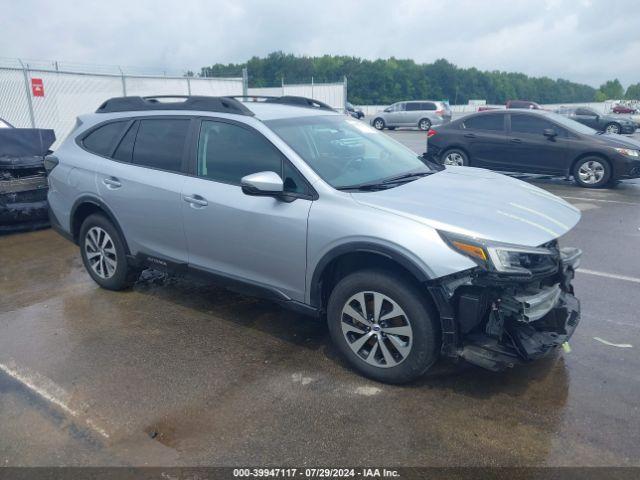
(23, 195)
(527, 341)
(496, 323)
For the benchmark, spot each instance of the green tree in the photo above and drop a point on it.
(612, 89)
(384, 81)
(633, 92)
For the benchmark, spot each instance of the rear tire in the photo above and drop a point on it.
(401, 343)
(592, 172)
(424, 124)
(378, 124)
(104, 254)
(455, 157)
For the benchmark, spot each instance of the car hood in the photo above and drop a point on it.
(616, 118)
(479, 203)
(615, 140)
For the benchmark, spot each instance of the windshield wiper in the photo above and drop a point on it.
(405, 176)
(387, 182)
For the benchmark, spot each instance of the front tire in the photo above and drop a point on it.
(383, 326)
(104, 255)
(378, 124)
(455, 157)
(612, 128)
(592, 172)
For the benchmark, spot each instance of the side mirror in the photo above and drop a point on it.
(549, 133)
(267, 184)
(388, 109)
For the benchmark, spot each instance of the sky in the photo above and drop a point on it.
(587, 41)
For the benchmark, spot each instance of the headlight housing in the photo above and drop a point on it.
(628, 152)
(504, 258)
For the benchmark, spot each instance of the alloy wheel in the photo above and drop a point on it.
(100, 252)
(455, 159)
(376, 329)
(379, 124)
(591, 172)
(612, 128)
(424, 125)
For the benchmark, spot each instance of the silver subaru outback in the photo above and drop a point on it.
(286, 199)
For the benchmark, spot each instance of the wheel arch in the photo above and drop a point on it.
(347, 258)
(602, 156)
(87, 205)
(384, 123)
(456, 146)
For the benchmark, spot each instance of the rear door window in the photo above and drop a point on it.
(413, 106)
(103, 139)
(160, 143)
(428, 106)
(492, 122)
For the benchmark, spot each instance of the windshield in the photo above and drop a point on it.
(571, 124)
(346, 152)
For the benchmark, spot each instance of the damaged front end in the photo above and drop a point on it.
(498, 316)
(23, 180)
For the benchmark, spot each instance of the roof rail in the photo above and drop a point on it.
(189, 102)
(287, 100)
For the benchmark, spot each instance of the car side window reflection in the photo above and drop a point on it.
(532, 125)
(492, 122)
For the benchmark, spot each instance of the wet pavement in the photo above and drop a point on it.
(178, 373)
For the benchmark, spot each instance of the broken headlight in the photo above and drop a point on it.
(503, 257)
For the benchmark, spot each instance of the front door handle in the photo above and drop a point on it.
(470, 135)
(196, 200)
(112, 183)
(515, 140)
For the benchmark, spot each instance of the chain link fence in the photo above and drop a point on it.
(37, 94)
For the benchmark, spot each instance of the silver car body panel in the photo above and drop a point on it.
(266, 241)
(398, 114)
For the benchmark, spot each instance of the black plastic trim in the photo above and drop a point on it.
(100, 204)
(292, 100)
(193, 102)
(356, 247)
(55, 225)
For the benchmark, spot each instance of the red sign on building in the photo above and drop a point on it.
(37, 87)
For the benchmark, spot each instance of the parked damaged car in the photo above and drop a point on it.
(405, 260)
(23, 181)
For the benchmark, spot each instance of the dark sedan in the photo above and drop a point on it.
(535, 141)
(597, 121)
(351, 110)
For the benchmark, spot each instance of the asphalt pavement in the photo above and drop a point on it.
(178, 373)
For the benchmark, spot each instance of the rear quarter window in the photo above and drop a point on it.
(103, 139)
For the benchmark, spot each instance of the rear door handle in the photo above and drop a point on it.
(515, 140)
(112, 183)
(196, 200)
(470, 135)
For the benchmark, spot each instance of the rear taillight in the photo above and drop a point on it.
(440, 112)
(431, 133)
(50, 162)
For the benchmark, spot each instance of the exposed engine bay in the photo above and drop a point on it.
(23, 181)
(496, 322)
